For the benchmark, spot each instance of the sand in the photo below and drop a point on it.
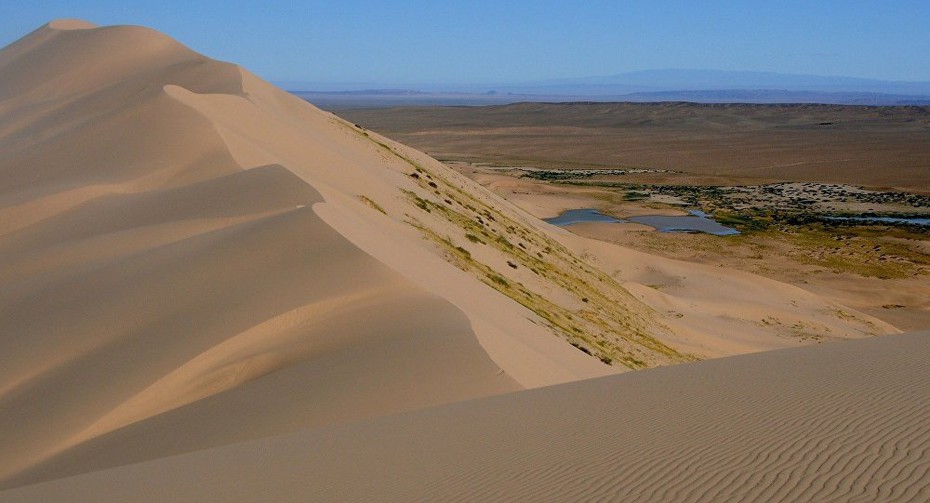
(193, 260)
(146, 274)
(839, 422)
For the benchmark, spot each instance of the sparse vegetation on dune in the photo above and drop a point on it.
(367, 200)
(606, 321)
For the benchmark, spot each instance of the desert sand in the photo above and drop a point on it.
(192, 260)
(838, 422)
(147, 274)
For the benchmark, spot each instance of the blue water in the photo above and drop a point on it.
(890, 220)
(569, 217)
(697, 221)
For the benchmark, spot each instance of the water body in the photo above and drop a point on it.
(889, 220)
(569, 217)
(697, 221)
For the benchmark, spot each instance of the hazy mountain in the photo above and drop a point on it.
(694, 80)
(702, 86)
(779, 96)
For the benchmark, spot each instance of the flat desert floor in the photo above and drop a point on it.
(711, 143)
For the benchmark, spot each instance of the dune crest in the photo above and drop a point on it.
(70, 24)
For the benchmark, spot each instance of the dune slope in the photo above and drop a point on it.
(840, 422)
(146, 274)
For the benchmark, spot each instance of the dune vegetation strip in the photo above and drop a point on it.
(608, 323)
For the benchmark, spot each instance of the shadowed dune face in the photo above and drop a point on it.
(158, 298)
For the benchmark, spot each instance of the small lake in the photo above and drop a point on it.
(697, 221)
(569, 217)
(889, 220)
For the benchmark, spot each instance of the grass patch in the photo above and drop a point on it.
(746, 222)
(633, 195)
(497, 279)
(473, 238)
(367, 200)
(857, 251)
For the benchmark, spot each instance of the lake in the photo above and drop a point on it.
(569, 217)
(697, 221)
(889, 220)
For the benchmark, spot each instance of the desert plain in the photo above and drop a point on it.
(211, 290)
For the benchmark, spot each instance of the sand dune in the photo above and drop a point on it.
(841, 422)
(186, 248)
(147, 274)
(191, 258)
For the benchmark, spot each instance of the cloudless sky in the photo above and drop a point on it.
(483, 41)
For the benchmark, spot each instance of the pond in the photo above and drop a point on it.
(888, 220)
(697, 221)
(569, 217)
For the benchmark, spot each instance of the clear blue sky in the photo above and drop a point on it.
(478, 41)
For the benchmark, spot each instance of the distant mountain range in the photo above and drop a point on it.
(705, 80)
(702, 86)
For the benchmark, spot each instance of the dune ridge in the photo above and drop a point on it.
(139, 255)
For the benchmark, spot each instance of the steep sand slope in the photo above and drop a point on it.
(145, 274)
(838, 422)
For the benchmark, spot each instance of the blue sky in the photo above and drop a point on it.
(478, 41)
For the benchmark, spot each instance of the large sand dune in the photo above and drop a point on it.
(842, 422)
(191, 258)
(145, 274)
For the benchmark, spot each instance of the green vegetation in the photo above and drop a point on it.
(608, 330)
(367, 200)
(747, 221)
(633, 195)
(798, 215)
(862, 251)
(473, 238)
